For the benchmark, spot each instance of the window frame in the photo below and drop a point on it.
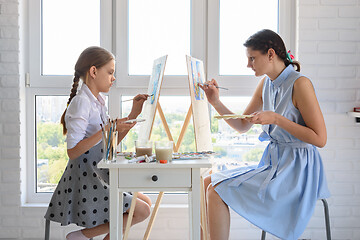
(35, 44)
(245, 84)
(113, 27)
(197, 48)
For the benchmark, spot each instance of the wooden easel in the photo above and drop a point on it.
(200, 146)
(161, 194)
(176, 149)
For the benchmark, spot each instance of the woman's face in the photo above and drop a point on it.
(257, 61)
(105, 77)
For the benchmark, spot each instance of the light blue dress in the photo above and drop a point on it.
(279, 194)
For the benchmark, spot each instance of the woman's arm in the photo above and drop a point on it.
(305, 100)
(239, 125)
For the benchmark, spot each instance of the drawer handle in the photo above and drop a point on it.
(154, 178)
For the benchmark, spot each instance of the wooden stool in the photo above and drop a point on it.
(327, 222)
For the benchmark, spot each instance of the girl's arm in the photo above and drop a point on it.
(84, 145)
(240, 125)
(87, 143)
(136, 109)
(305, 101)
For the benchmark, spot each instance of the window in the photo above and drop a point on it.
(158, 28)
(51, 156)
(58, 31)
(233, 32)
(235, 149)
(230, 23)
(175, 115)
(63, 41)
(147, 30)
(137, 32)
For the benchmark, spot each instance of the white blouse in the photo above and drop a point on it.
(84, 115)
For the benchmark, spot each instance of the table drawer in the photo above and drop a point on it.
(148, 178)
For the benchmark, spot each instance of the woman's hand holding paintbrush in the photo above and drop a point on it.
(211, 89)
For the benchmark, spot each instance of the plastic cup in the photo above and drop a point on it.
(143, 147)
(164, 150)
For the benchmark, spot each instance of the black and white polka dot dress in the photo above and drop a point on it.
(82, 194)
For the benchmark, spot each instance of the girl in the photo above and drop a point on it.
(280, 193)
(82, 195)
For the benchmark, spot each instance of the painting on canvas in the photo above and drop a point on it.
(154, 87)
(199, 104)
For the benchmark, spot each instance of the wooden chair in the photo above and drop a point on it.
(327, 221)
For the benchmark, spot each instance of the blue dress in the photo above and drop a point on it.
(279, 194)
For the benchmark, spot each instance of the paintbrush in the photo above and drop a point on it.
(216, 87)
(134, 98)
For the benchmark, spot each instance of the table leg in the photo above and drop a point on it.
(115, 219)
(204, 224)
(153, 216)
(195, 204)
(130, 215)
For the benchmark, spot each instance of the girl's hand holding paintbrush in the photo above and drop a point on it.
(138, 102)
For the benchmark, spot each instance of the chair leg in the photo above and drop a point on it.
(263, 235)
(47, 229)
(327, 219)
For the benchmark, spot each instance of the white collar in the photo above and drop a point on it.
(86, 90)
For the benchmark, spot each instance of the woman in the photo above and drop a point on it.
(279, 194)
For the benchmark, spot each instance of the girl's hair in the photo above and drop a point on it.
(265, 39)
(91, 56)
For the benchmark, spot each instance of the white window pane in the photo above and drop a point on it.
(157, 28)
(235, 149)
(68, 27)
(51, 156)
(238, 21)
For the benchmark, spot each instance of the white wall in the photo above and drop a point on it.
(329, 46)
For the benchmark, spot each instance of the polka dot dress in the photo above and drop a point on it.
(82, 194)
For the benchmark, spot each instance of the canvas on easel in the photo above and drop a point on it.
(199, 104)
(150, 105)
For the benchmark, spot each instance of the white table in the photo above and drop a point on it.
(178, 175)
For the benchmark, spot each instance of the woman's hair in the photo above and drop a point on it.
(265, 39)
(91, 56)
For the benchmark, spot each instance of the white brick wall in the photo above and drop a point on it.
(329, 36)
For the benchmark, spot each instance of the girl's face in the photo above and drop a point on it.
(105, 77)
(257, 61)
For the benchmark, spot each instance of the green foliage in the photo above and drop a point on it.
(56, 170)
(254, 155)
(51, 146)
(214, 125)
(50, 133)
(219, 150)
